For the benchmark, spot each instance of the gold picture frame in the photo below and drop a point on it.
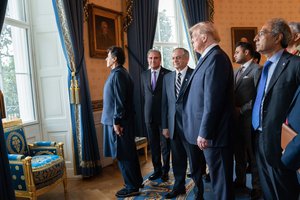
(104, 28)
(238, 33)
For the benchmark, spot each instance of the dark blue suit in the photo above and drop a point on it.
(172, 120)
(291, 156)
(152, 113)
(208, 112)
(118, 109)
(276, 180)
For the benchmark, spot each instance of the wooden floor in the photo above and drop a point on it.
(101, 187)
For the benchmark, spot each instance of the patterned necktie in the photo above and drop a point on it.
(239, 73)
(153, 80)
(178, 85)
(256, 112)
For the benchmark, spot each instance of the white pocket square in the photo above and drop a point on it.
(245, 77)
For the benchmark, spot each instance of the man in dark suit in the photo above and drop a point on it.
(244, 92)
(173, 88)
(278, 83)
(208, 108)
(117, 119)
(152, 81)
(291, 155)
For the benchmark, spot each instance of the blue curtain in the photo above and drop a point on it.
(195, 11)
(140, 37)
(6, 189)
(69, 18)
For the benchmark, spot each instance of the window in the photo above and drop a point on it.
(170, 32)
(15, 63)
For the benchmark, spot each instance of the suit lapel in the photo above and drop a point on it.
(172, 85)
(160, 77)
(201, 62)
(281, 65)
(245, 73)
(184, 83)
(148, 79)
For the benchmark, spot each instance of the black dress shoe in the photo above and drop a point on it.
(165, 177)
(127, 193)
(174, 193)
(154, 176)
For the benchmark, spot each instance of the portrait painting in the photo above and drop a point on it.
(242, 34)
(104, 30)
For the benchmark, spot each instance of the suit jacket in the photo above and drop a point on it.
(244, 92)
(208, 100)
(118, 109)
(291, 156)
(279, 94)
(152, 99)
(171, 104)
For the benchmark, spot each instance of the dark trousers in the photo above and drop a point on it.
(131, 172)
(181, 149)
(159, 145)
(220, 164)
(243, 152)
(277, 183)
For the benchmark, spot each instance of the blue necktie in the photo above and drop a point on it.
(256, 118)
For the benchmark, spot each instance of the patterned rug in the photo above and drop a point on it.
(157, 189)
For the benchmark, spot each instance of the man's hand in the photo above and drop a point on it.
(118, 130)
(202, 143)
(166, 133)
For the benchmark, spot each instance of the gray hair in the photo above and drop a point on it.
(155, 51)
(280, 26)
(185, 52)
(295, 27)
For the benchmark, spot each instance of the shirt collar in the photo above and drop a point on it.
(246, 64)
(207, 49)
(275, 58)
(156, 70)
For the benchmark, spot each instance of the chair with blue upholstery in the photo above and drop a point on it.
(35, 168)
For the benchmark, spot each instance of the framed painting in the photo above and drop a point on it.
(104, 28)
(244, 34)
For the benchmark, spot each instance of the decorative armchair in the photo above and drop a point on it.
(35, 168)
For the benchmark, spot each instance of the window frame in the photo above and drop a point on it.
(180, 36)
(27, 26)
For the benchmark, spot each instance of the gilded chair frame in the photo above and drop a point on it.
(32, 192)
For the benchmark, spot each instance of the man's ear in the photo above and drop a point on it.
(297, 37)
(278, 38)
(203, 37)
(246, 52)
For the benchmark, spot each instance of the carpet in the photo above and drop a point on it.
(157, 189)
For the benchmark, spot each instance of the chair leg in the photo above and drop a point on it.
(33, 196)
(145, 151)
(65, 184)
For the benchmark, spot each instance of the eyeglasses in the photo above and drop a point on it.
(262, 33)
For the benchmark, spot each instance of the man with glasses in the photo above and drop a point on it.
(278, 82)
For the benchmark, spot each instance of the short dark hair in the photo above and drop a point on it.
(246, 46)
(257, 56)
(117, 52)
